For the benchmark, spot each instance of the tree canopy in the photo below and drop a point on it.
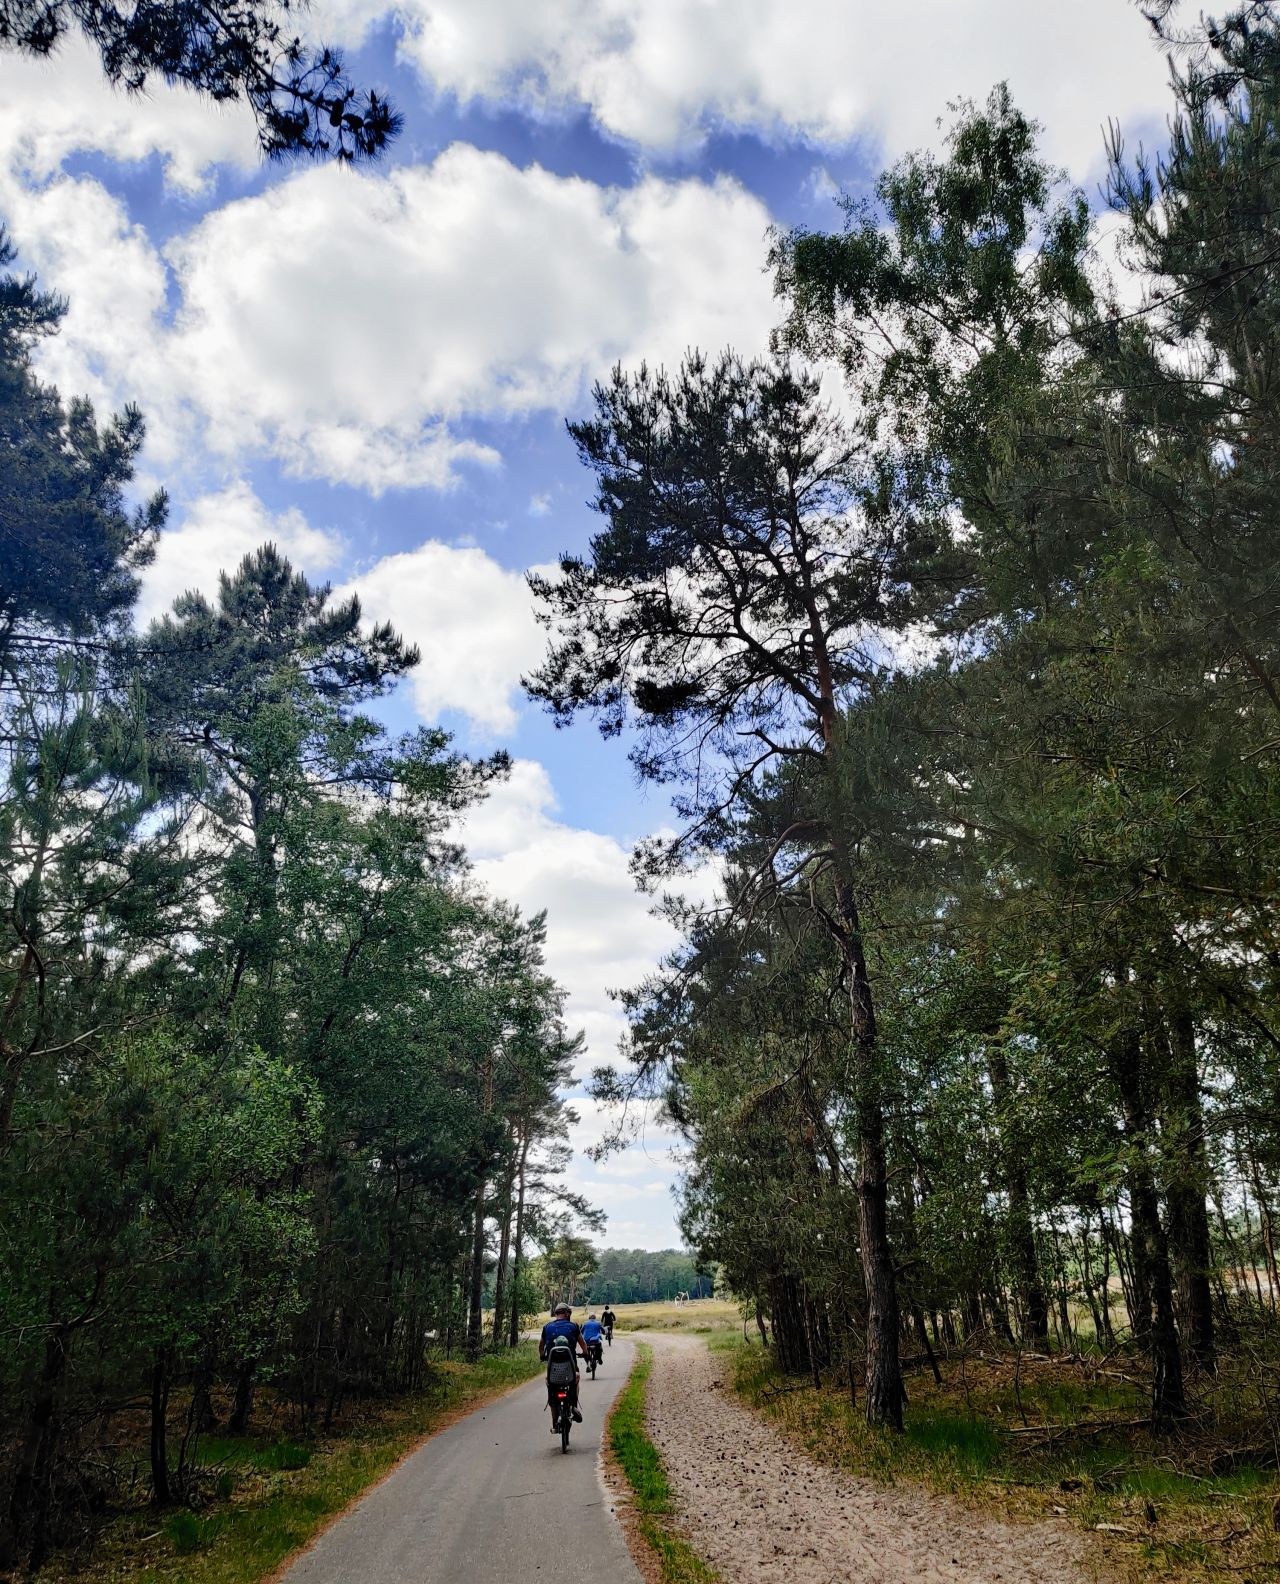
(249, 50)
(281, 1087)
(970, 689)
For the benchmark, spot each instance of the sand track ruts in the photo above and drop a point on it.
(757, 1509)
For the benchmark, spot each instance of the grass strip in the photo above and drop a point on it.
(280, 1501)
(652, 1507)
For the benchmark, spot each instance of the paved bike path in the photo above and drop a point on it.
(491, 1500)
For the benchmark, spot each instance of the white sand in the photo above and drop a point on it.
(757, 1508)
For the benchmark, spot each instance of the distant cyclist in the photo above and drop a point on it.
(607, 1318)
(592, 1331)
(562, 1328)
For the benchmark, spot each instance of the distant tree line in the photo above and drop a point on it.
(971, 686)
(279, 1086)
(647, 1276)
(570, 1269)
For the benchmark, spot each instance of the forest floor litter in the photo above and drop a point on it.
(758, 1509)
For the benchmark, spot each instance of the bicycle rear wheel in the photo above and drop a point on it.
(566, 1419)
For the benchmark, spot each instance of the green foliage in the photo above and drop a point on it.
(285, 1455)
(277, 1081)
(71, 545)
(188, 1532)
(301, 98)
(645, 1276)
(974, 694)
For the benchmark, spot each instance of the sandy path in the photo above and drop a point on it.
(758, 1509)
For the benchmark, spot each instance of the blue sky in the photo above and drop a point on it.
(374, 369)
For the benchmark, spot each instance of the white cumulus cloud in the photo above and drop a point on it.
(215, 534)
(352, 324)
(473, 621)
(53, 108)
(352, 319)
(664, 73)
(601, 934)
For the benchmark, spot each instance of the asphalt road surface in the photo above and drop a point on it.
(491, 1500)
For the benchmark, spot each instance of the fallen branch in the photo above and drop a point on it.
(781, 1391)
(1081, 1427)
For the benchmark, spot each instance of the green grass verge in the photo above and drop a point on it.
(638, 1458)
(277, 1493)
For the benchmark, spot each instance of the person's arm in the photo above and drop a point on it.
(542, 1345)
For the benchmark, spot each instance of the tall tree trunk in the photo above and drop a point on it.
(161, 1490)
(884, 1370)
(1065, 1327)
(790, 1332)
(1033, 1305)
(513, 1320)
(1267, 1217)
(31, 1493)
(1187, 1190)
(475, 1312)
(203, 1417)
(1113, 1240)
(1104, 1289)
(504, 1254)
(1152, 1272)
(475, 1296)
(1101, 1318)
(242, 1403)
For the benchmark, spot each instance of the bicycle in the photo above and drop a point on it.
(564, 1416)
(562, 1387)
(594, 1358)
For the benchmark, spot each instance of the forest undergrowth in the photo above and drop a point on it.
(1037, 1436)
(264, 1496)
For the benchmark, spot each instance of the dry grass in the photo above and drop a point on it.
(699, 1316)
(1170, 1516)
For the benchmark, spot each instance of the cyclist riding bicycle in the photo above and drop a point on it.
(592, 1332)
(607, 1318)
(561, 1329)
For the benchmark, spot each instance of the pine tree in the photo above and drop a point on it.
(300, 96)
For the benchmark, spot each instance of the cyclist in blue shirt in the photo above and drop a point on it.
(561, 1326)
(592, 1332)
